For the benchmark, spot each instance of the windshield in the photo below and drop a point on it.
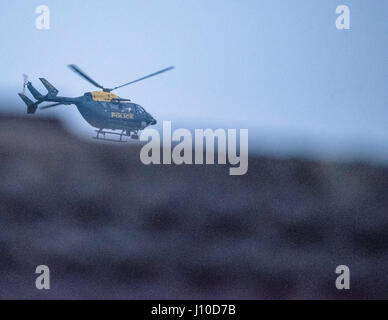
(134, 108)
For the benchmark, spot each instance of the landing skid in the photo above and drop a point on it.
(124, 133)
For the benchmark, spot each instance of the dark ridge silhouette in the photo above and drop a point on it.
(109, 227)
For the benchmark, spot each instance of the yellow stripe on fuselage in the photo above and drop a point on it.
(103, 96)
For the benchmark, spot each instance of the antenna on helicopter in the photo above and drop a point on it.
(87, 78)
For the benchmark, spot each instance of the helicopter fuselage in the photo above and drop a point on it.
(101, 109)
(105, 110)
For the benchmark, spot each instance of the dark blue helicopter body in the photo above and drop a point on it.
(101, 109)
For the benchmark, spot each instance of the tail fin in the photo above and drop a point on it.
(52, 91)
(34, 92)
(31, 106)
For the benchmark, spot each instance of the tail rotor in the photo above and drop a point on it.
(25, 81)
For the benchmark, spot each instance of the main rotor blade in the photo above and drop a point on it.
(84, 75)
(50, 106)
(146, 77)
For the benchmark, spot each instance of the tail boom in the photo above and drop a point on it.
(52, 96)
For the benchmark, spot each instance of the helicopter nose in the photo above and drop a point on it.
(153, 122)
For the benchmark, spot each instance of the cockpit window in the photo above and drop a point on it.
(134, 108)
(139, 109)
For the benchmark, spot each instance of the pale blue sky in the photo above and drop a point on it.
(277, 67)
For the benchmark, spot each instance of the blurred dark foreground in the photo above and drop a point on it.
(109, 227)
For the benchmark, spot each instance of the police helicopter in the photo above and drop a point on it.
(101, 109)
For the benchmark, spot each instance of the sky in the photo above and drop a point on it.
(279, 68)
